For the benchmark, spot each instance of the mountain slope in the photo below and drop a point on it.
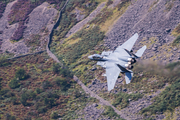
(88, 27)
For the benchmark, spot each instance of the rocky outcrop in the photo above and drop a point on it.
(91, 112)
(42, 17)
(7, 32)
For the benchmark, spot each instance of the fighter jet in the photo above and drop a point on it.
(120, 60)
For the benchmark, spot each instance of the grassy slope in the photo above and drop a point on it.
(39, 95)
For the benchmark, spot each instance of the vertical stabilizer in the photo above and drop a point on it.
(140, 51)
(128, 76)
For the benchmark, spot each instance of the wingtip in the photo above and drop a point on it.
(136, 34)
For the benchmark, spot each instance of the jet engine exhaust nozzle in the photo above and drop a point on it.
(132, 60)
(129, 66)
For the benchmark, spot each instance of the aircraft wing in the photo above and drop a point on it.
(112, 73)
(128, 44)
(102, 64)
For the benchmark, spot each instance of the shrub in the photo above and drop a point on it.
(21, 74)
(64, 85)
(54, 115)
(14, 100)
(56, 68)
(14, 83)
(46, 84)
(109, 111)
(77, 94)
(49, 102)
(27, 118)
(9, 117)
(65, 72)
(3, 59)
(31, 94)
(24, 98)
(4, 91)
(109, 2)
(122, 99)
(42, 109)
(38, 90)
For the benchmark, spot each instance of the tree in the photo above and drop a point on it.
(56, 68)
(55, 115)
(21, 74)
(62, 83)
(14, 83)
(24, 98)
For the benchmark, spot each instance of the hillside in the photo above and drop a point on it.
(44, 43)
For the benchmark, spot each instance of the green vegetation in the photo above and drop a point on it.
(34, 40)
(4, 57)
(102, 16)
(171, 66)
(155, 77)
(109, 2)
(119, 6)
(68, 19)
(14, 83)
(122, 99)
(56, 68)
(176, 31)
(109, 111)
(167, 100)
(54, 115)
(63, 83)
(10, 117)
(41, 93)
(21, 74)
(89, 39)
(2, 60)
(176, 41)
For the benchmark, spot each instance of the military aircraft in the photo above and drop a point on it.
(120, 60)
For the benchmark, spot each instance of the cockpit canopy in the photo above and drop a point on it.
(97, 57)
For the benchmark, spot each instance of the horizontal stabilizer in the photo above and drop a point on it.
(128, 76)
(104, 75)
(140, 51)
